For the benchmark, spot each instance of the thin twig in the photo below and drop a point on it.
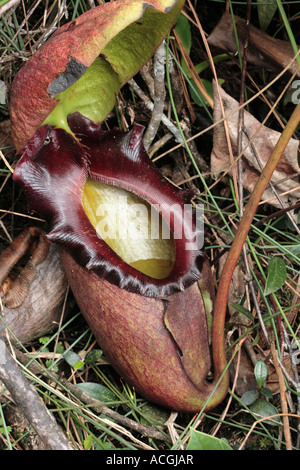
(193, 72)
(8, 5)
(234, 382)
(226, 130)
(97, 406)
(240, 237)
(265, 418)
(241, 126)
(241, 121)
(149, 104)
(284, 408)
(220, 121)
(6, 162)
(254, 298)
(296, 382)
(171, 428)
(28, 400)
(159, 96)
(62, 11)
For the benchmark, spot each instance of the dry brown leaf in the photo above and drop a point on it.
(261, 149)
(246, 379)
(263, 50)
(42, 308)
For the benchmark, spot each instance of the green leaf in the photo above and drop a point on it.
(201, 441)
(266, 392)
(276, 275)
(44, 339)
(249, 397)
(264, 409)
(73, 360)
(199, 68)
(266, 10)
(261, 373)
(88, 441)
(49, 365)
(97, 391)
(184, 32)
(103, 445)
(243, 310)
(60, 348)
(206, 63)
(153, 414)
(93, 356)
(295, 249)
(8, 429)
(197, 96)
(78, 365)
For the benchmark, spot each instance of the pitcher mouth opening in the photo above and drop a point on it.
(131, 227)
(61, 172)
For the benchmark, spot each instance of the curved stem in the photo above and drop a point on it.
(218, 342)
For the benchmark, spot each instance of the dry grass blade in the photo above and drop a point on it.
(33, 407)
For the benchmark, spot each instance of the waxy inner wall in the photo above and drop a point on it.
(131, 227)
